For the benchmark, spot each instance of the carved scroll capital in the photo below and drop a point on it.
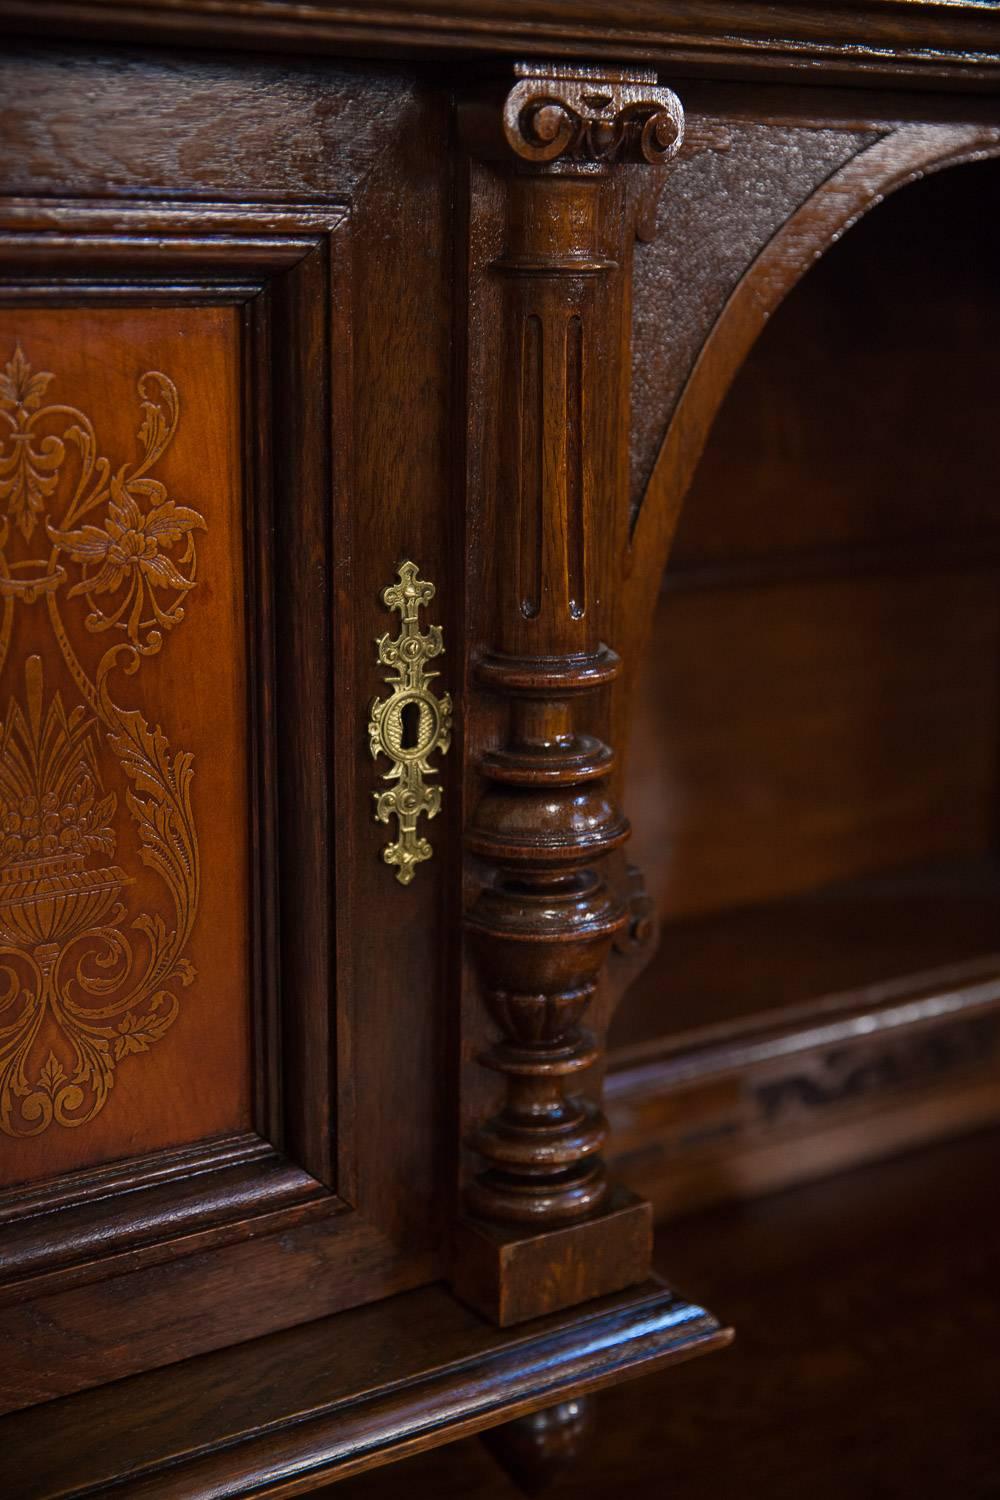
(577, 114)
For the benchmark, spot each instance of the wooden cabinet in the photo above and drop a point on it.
(351, 379)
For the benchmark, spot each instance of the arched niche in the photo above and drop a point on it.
(814, 777)
(749, 298)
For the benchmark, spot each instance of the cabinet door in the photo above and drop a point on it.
(218, 1107)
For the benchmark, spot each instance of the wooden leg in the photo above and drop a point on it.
(536, 1449)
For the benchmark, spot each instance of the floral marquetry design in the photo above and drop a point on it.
(130, 556)
(84, 980)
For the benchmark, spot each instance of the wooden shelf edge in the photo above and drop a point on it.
(923, 998)
(920, 43)
(282, 1415)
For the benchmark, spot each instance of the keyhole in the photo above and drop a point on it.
(409, 726)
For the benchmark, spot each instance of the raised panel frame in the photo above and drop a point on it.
(286, 269)
(328, 156)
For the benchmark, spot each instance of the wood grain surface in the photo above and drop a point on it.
(814, 754)
(818, 700)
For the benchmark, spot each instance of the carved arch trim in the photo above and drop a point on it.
(897, 159)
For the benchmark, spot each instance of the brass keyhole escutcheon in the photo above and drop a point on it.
(411, 724)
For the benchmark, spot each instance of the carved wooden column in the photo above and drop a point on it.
(545, 1230)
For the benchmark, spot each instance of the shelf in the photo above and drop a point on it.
(748, 970)
(810, 1035)
(282, 1414)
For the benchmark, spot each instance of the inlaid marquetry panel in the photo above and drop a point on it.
(124, 1020)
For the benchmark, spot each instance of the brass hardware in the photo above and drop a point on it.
(413, 713)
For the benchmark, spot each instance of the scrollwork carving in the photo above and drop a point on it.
(82, 986)
(591, 114)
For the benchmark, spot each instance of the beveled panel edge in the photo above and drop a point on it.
(150, 1210)
(26, 1200)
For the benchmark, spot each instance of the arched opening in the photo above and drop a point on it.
(814, 776)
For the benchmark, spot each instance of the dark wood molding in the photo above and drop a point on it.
(282, 1415)
(922, 44)
(78, 1228)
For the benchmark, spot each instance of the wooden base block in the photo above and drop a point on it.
(510, 1274)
